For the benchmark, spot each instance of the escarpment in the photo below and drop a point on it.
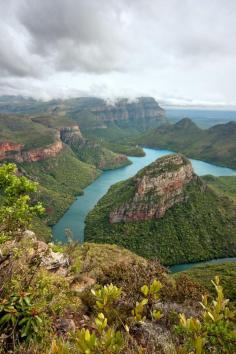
(16, 152)
(142, 108)
(156, 190)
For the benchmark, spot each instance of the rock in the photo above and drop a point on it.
(160, 337)
(15, 151)
(54, 260)
(156, 189)
(66, 325)
(71, 135)
(143, 108)
(7, 147)
(28, 234)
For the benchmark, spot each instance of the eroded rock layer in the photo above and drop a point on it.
(156, 189)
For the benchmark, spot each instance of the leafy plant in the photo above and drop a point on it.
(19, 317)
(106, 296)
(151, 296)
(214, 331)
(16, 210)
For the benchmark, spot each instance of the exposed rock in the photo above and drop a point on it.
(156, 189)
(17, 153)
(30, 235)
(65, 325)
(157, 337)
(7, 147)
(71, 135)
(142, 109)
(54, 260)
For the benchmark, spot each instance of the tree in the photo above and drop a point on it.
(16, 207)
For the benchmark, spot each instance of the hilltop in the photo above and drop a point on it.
(166, 212)
(216, 144)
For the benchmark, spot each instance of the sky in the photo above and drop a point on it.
(182, 52)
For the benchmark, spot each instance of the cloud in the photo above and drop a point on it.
(164, 47)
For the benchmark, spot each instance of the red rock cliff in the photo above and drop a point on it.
(156, 189)
(15, 152)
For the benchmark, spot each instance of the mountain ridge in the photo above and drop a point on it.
(216, 144)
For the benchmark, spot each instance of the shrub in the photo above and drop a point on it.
(16, 210)
(214, 331)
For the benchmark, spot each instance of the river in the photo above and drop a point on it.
(76, 214)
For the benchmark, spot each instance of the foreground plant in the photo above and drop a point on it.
(19, 318)
(214, 331)
(151, 295)
(16, 209)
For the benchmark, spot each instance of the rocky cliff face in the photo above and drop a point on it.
(143, 108)
(7, 148)
(16, 152)
(156, 189)
(71, 135)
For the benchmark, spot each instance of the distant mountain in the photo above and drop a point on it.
(97, 117)
(167, 212)
(216, 144)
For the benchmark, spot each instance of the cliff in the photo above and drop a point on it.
(165, 212)
(16, 152)
(156, 190)
(7, 148)
(71, 134)
(142, 108)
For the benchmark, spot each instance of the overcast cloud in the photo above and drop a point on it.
(179, 51)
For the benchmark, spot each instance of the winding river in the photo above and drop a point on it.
(76, 214)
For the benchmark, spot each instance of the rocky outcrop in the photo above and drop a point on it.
(40, 153)
(7, 148)
(156, 189)
(71, 135)
(16, 153)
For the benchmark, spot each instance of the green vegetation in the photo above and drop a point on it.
(22, 130)
(204, 274)
(96, 299)
(89, 151)
(129, 150)
(63, 173)
(16, 211)
(214, 332)
(61, 179)
(225, 185)
(216, 144)
(99, 156)
(201, 228)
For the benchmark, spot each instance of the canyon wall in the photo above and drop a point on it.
(156, 189)
(15, 152)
